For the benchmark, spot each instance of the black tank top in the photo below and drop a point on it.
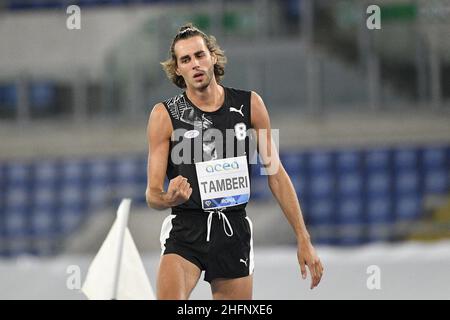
(234, 114)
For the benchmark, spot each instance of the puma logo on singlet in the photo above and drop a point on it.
(244, 261)
(236, 110)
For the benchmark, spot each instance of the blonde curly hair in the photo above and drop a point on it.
(185, 32)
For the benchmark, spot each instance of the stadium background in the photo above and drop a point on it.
(364, 134)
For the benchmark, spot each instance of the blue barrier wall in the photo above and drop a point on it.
(49, 199)
(52, 4)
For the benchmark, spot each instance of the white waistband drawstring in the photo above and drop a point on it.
(225, 223)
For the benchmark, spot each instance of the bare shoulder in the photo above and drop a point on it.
(159, 112)
(159, 120)
(259, 115)
(256, 99)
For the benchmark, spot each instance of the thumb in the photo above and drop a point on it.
(172, 191)
(303, 269)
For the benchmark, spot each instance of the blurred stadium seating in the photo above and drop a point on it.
(324, 65)
(47, 200)
(52, 4)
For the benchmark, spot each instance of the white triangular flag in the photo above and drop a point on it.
(117, 271)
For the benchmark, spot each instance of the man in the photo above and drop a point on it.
(208, 191)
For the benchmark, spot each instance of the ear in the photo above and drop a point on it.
(177, 72)
(214, 58)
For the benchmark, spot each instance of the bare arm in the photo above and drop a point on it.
(159, 132)
(283, 190)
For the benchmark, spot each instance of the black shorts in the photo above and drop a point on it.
(228, 254)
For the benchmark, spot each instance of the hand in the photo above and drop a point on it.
(307, 255)
(178, 191)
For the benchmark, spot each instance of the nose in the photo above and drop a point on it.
(195, 63)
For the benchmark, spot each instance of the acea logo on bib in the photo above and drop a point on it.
(221, 167)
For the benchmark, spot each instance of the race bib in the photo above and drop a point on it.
(223, 183)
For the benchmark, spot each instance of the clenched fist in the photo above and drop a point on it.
(179, 191)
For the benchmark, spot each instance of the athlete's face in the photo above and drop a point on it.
(194, 62)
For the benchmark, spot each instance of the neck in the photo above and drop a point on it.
(207, 99)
